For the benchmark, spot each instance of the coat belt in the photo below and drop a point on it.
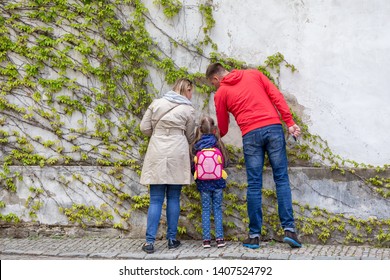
(168, 131)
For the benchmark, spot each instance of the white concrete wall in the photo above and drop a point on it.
(341, 50)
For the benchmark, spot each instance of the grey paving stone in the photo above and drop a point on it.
(160, 256)
(300, 257)
(13, 252)
(191, 255)
(232, 255)
(369, 258)
(215, 254)
(34, 252)
(255, 256)
(73, 255)
(326, 258)
(111, 255)
(132, 255)
(350, 258)
(52, 252)
(276, 256)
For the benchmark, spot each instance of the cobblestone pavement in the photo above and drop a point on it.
(121, 248)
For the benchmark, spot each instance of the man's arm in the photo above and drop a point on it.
(222, 113)
(278, 100)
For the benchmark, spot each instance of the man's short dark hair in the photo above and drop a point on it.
(214, 69)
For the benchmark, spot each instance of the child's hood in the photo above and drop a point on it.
(206, 141)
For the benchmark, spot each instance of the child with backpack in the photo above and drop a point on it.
(209, 161)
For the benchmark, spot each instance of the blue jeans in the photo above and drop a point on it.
(157, 196)
(212, 199)
(270, 140)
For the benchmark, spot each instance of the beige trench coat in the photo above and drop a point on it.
(167, 160)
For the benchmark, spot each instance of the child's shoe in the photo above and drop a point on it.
(206, 243)
(220, 242)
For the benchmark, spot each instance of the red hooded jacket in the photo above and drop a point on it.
(253, 100)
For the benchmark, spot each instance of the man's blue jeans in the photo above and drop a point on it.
(270, 140)
(212, 199)
(157, 196)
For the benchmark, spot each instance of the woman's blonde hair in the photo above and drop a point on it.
(182, 85)
(207, 126)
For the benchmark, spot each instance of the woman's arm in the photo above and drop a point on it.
(190, 126)
(146, 122)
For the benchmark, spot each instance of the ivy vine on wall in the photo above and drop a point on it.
(75, 79)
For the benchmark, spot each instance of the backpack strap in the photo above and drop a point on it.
(165, 114)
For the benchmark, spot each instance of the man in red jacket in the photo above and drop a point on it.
(256, 103)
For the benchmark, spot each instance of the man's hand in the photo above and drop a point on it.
(294, 130)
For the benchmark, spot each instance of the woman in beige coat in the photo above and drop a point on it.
(170, 121)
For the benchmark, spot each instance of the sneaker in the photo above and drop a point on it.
(252, 243)
(148, 248)
(172, 243)
(220, 242)
(291, 239)
(206, 243)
